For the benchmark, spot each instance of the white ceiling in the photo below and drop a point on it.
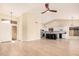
(65, 10)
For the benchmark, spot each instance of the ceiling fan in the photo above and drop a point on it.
(47, 9)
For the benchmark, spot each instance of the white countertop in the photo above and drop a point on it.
(55, 32)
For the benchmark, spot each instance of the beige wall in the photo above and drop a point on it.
(31, 27)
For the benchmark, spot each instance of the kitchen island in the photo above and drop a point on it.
(54, 35)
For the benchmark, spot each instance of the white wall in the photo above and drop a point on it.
(19, 28)
(5, 32)
(31, 27)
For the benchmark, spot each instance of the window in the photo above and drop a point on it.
(74, 31)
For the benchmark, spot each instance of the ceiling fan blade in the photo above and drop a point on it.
(44, 12)
(47, 7)
(53, 10)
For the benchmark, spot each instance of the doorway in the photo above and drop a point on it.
(14, 30)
